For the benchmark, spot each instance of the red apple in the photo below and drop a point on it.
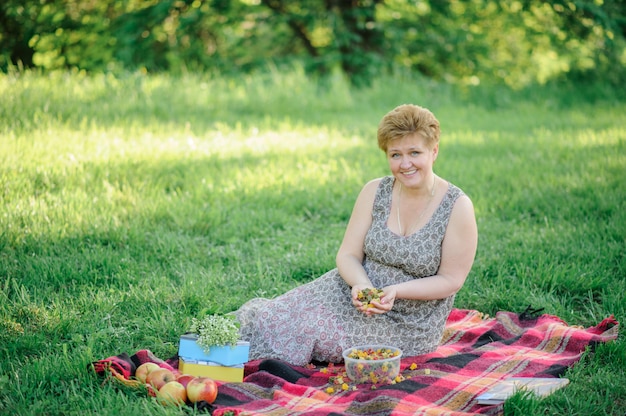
(184, 379)
(202, 389)
(172, 393)
(152, 392)
(144, 369)
(157, 378)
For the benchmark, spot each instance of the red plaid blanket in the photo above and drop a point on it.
(476, 352)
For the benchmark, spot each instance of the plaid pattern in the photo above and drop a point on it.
(476, 352)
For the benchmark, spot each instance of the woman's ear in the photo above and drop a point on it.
(435, 152)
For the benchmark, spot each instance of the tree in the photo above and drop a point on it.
(18, 20)
(335, 32)
(601, 26)
(467, 41)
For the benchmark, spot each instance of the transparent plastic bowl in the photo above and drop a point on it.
(373, 370)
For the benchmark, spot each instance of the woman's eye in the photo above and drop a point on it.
(415, 153)
(395, 155)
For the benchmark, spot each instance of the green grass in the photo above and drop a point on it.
(132, 204)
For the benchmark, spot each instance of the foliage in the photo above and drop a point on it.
(215, 330)
(517, 43)
(132, 203)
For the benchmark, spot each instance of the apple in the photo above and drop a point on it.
(184, 379)
(152, 392)
(202, 389)
(157, 378)
(172, 393)
(144, 369)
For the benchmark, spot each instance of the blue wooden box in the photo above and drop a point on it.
(223, 355)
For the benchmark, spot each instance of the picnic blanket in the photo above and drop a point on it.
(476, 352)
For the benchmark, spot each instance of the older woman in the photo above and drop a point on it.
(411, 234)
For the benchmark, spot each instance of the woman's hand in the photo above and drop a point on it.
(385, 304)
(374, 307)
(355, 297)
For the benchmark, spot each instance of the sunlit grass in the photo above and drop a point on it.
(132, 204)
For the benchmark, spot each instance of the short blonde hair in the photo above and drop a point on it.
(405, 120)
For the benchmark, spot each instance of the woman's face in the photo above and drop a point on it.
(411, 160)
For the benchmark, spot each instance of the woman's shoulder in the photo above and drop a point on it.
(455, 192)
(380, 182)
(375, 185)
(461, 205)
(457, 201)
(372, 188)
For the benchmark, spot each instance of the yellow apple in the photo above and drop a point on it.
(172, 393)
(157, 378)
(144, 369)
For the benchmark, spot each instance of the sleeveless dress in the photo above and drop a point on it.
(316, 321)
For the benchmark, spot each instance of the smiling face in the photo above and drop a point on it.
(411, 160)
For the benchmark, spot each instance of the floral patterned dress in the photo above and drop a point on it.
(316, 321)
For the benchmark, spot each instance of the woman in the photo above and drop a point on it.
(411, 234)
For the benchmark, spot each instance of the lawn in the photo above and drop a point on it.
(131, 204)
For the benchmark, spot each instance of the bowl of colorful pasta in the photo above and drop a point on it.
(372, 363)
